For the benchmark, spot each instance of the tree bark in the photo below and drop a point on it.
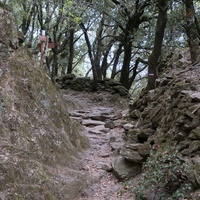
(133, 21)
(94, 69)
(71, 51)
(124, 78)
(54, 71)
(116, 60)
(104, 64)
(191, 30)
(159, 35)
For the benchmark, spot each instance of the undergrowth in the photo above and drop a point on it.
(164, 176)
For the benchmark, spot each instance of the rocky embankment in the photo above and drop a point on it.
(169, 115)
(39, 145)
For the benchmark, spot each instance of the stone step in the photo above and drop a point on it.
(89, 122)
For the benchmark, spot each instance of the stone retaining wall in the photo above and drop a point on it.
(70, 81)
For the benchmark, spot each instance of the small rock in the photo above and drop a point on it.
(145, 133)
(196, 96)
(195, 134)
(105, 130)
(125, 113)
(194, 146)
(116, 145)
(102, 129)
(132, 155)
(109, 124)
(96, 132)
(135, 114)
(105, 154)
(78, 114)
(128, 126)
(120, 122)
(132, 146)
(106, 167)
(144, 149)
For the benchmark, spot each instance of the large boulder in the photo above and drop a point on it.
(125, 169)
(40, 145)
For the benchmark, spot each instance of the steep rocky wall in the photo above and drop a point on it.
(39, 146)
(169, 115)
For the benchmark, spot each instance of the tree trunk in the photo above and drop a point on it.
(191, 30)
(124, 78)
(71, 51)
(54, 71)
(104, 64)
(98, 47)
(117, 56)
(159, 35)
(94, 69)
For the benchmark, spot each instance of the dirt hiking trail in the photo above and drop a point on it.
(103, 117)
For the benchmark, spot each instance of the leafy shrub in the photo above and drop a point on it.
(164, 176)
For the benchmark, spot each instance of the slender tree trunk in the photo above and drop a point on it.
(94, 69)
(116, 61)
(71, 51)
(104, 64)
(98, 48)
(192, 30)
(54, 71)
(159, 35)
(124, 78)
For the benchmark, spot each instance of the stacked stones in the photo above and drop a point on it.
(70, 81)
(170, 112)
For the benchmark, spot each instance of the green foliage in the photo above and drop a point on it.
(164, 175)
(71, 10)
(58, 17)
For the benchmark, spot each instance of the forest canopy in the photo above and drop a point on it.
(118, 39)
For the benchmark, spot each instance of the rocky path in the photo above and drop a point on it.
(104, 127)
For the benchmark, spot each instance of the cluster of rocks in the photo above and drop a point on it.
(70, 81)
(169, 113)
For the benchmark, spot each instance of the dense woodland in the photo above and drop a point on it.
(124, 40)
